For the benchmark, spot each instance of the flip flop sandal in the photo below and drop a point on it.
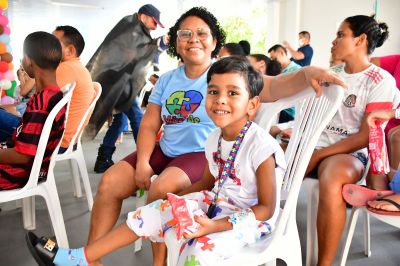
(42, 249)
(358, 196)
(383, 212)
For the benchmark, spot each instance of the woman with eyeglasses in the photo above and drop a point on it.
(177, 103)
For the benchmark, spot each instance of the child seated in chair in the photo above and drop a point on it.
(239, 191)
(42, 54)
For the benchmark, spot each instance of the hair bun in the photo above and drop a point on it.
(384, 34)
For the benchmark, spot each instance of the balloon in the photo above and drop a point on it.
(4, 38)
(3, 48)
(7, 57)
(9, 75)
(3, 20)
(3, 66)
(10, 92)
(3, 4)
(10, 66)
(5, 84)
(1, 29)
(7, 100)
(6, 30)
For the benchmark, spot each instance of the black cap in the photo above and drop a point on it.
(151, 11)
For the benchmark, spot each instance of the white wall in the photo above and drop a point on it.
(322, 18)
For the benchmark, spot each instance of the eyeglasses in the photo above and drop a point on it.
(186, 35)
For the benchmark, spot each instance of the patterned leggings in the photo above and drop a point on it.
(152, 220)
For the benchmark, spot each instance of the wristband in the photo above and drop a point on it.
(397, 113)
(242, 219)
(245, 226)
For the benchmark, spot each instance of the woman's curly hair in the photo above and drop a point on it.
(216, 31)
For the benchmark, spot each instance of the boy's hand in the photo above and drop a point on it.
(380, 115)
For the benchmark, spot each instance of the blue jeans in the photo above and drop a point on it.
(119, 123)
(8, 123)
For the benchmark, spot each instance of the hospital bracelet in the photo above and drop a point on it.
(397, 113)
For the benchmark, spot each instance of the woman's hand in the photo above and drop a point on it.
(380, 115)
(143, 174)
(208, 226)
(317, 77)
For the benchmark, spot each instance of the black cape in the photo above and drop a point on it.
(120, 65)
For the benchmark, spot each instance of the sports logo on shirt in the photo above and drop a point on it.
(350, 101)
(181, 105)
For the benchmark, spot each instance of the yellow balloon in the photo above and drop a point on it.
(3, 4)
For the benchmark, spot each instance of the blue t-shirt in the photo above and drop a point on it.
(183, 112)
(308, 52)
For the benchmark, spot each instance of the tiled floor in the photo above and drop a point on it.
(13, 251)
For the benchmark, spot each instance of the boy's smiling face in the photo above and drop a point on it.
(228, 103)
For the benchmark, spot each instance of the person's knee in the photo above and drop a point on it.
(331, 180)
(395, 138)
(159, 190)
(107, 183)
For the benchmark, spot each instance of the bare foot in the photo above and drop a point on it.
(384, 205)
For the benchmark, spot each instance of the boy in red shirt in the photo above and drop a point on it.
(42, 54)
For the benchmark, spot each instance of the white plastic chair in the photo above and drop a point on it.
(312, 116)
(47, 189)
(77, 154)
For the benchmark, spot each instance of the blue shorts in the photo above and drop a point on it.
(395, 183)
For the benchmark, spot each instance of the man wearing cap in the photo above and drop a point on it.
(120, 64)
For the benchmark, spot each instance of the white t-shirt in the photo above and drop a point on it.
(372, 85)
(257, 146)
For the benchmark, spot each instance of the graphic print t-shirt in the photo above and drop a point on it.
(373, 85)
(182, 101)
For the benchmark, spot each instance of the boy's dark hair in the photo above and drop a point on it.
(274, 68)
(234, 48)
(262, 57)
(242, 66)
(377, 33)
(44, 49)
(216, 31)
(305, 34)
(74, 37)
(245, 46)
(277, 47)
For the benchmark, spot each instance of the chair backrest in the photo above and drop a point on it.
(312, 115)
(78, 134)
(44, 137)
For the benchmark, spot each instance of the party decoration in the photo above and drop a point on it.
(3, 67)
(7, 57)
(7, 76)
(3, 4)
